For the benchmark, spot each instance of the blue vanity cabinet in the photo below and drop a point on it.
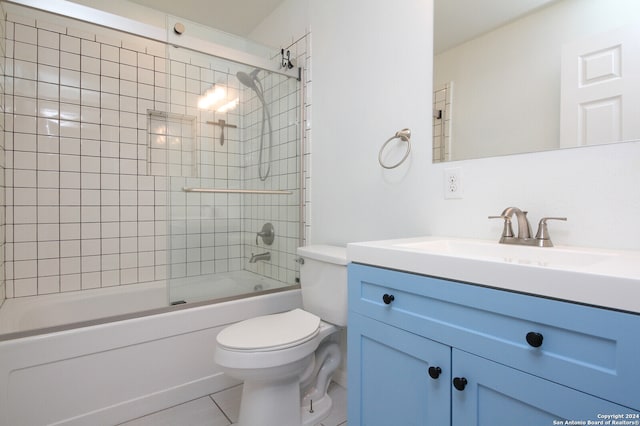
(504, 357)
(497, 395)
(400, 378)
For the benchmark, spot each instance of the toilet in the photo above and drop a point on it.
(286, 360)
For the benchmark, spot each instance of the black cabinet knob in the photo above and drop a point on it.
(388, 298)
(434, 372)
(459, 383)
(534, 339)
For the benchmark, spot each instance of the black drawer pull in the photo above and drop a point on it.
(388, 298)
(534, 339)
(434, 372)
(459, 383)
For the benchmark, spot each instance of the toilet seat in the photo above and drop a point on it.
(270, 332)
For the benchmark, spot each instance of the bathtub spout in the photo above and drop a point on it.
(262, 256)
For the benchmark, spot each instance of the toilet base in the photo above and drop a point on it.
(321, 410)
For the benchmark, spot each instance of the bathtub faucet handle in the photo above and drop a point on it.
(267, 233)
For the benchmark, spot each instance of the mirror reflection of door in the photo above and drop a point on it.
(600, 89)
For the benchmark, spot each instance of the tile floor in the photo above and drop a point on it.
(221, 409)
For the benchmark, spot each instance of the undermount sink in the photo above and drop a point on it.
(492, 251)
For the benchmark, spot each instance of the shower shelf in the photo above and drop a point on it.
(237, 191)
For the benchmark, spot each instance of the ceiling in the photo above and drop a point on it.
(238, 17)
(456, 21)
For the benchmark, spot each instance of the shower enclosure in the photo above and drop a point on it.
(136, 159)
(239, 171)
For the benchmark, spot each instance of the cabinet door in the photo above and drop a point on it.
(389, 379)
(498, 395)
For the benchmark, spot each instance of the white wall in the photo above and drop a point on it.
(371, 71)
(372, 77)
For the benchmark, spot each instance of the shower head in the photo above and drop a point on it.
(248, 80)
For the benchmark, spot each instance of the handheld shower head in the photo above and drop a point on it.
(248, 80)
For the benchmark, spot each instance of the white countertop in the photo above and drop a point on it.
(605, 278)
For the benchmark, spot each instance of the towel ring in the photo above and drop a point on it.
(404, 135)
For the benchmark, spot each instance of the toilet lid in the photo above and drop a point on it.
(270, 332)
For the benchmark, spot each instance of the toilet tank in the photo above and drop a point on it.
(323, 280)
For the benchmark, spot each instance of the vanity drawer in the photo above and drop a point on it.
(590, 349)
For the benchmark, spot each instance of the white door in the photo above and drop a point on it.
(600, 89)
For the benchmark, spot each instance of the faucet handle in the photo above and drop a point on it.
(507, 231)
(267, 233)
(542, 236)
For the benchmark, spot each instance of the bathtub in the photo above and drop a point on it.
(107, 371)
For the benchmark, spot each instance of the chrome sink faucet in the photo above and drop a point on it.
(542, 238)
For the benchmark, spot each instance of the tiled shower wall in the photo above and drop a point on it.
(2, 156)
(442, 124)
(84, 207)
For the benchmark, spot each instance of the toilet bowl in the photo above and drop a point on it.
(286, 360)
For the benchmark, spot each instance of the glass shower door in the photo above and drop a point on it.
(231, 153)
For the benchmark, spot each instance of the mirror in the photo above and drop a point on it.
(523, 76)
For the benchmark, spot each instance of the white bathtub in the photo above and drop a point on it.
(110, 372)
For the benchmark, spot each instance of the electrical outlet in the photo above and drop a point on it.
(453, 183)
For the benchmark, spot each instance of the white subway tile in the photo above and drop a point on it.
(69, 197)
(90, 98)
(90, 181)
(70, 61)
(90, 197)
(110, 278)
(49, 214)
(69, 179)
(91, 280)
(90, 263)
(69, 163)
(48, 91)
(110, 245)
(48, 126)
(48, 56)
(25, 69)
(69, 44)
(48, 161)
(48, 179)
(48, 109)
(110, 84)
(110, 261)
(89, 81)
(110, 53)
(25, 287)
(90, 65)
(25, 51)
(48, 267)
(25, 251)
(69, 96)
(25, 214)
(25, 33)
(49, 250)
(70, 265)
(70, 282)
(24, 87)
(90, 48)
(48, 232)
(90, 247)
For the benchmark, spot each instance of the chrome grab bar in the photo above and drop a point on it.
(237, 191)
